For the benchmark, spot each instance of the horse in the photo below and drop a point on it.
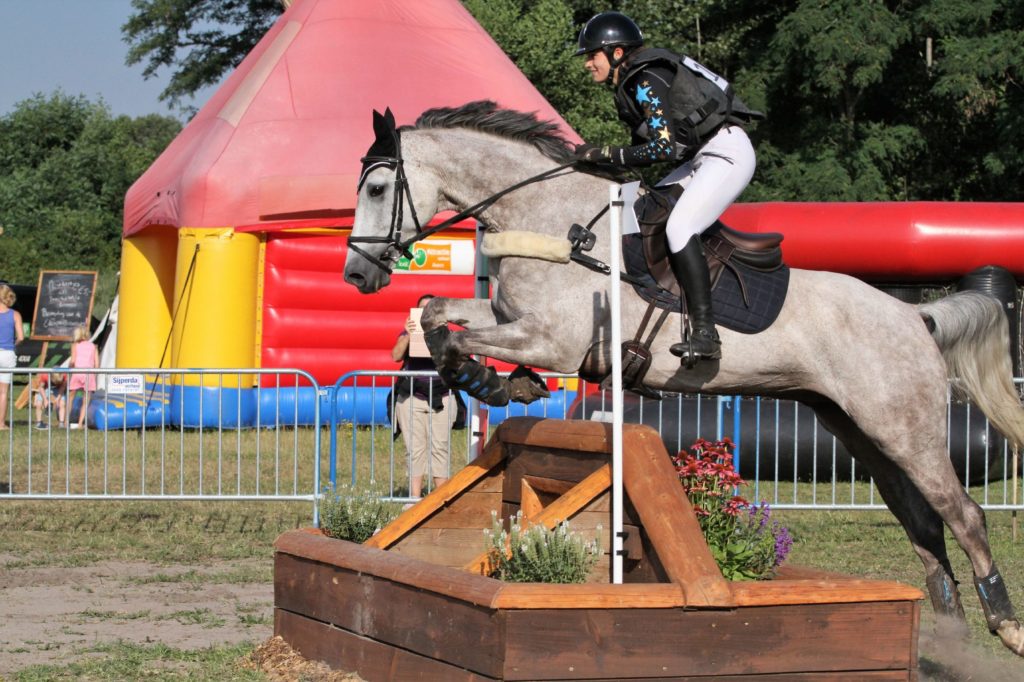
(876, 371)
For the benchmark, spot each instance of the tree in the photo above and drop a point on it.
(65, 166)
(855, 110)
(200, 40)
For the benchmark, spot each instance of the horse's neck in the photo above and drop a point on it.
(473, 167)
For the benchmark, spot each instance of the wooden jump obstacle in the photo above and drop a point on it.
(411, 603)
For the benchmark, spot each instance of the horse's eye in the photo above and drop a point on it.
(376, 190)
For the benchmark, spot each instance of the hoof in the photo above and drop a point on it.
(1012, 636)
(527, 386)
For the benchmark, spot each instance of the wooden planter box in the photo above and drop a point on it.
(411, 603)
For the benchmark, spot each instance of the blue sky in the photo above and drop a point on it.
(74, 45)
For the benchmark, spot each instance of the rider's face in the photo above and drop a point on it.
(596, 63)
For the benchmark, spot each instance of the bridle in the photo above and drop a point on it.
(402, 193)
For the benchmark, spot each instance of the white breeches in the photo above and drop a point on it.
(713, 179)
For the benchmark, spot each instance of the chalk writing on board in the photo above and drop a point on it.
(63, 301)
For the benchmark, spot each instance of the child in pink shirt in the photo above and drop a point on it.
(83, 355)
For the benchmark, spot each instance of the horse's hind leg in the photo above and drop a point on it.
(922, 525)
(919, 466)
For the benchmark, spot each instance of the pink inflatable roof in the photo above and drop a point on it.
(282, 138)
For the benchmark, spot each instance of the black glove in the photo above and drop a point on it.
(591, 153)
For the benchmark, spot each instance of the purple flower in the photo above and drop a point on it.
(783, 542)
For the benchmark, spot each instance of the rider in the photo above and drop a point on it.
(700, 134)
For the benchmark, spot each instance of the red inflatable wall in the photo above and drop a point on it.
(312, 319)
(889, 242)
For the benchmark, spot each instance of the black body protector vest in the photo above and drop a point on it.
(700, 101)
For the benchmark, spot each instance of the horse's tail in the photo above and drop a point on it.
(972, 332)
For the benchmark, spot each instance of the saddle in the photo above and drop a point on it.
(756, 257)
(723, 246)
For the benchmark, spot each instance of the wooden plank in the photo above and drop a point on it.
(669, 521)
(564, 434)
(548, 485)
(641, 643)
(426, 623)
(848, 590)
(362, 559)
(451, 547)
(372, 660)
(857, 676)
(562, 465)
(491, 483)
(588, 596)
(530, 502)
(492, 455)
(556, 512)
(472, 509)
(648, 568)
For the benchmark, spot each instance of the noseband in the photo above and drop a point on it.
(402, 193)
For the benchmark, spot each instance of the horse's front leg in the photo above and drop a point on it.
(521, 342)
(459, 371)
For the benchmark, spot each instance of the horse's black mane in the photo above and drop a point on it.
(487, 117)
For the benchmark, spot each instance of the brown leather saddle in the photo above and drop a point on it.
(723, 245)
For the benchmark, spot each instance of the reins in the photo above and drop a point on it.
(403, 193)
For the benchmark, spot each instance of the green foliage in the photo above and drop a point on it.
(65, 166)
(744, 540)
(202, 40)
(539, 555)
(350, 514)
(855, 110)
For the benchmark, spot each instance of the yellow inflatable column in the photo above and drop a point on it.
(145, 294)
(215, 302)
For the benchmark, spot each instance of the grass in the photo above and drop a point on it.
(122, 661)
(254, 463)
(210, 534)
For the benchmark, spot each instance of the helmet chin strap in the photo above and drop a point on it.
(613, 63)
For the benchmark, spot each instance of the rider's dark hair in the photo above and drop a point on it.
(486, 116)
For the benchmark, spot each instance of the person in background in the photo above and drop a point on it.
(49, 396)
(424, 411)
(11, 334)
(83, 356)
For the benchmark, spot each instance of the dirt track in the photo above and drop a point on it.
(47, 615)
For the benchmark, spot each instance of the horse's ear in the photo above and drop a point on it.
(381, 128)
(385, 144)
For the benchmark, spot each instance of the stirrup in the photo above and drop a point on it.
(702, 344)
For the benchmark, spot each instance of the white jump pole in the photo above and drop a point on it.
(614, 300)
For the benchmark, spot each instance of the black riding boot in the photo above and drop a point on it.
(691, 271)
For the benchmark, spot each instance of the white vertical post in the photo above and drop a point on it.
(477, 415)
(614, 300)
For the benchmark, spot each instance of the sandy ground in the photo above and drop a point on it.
(48, 615)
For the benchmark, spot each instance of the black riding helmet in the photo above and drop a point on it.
(609, 29)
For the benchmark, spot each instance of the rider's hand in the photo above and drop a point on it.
(591, 153)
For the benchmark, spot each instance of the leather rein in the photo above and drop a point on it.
(402, 193)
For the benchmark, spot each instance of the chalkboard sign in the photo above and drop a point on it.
(63, 301)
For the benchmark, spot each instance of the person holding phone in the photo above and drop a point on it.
(424, 410)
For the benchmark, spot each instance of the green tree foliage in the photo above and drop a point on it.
(856, 110)
(200, 40)
(65, 166)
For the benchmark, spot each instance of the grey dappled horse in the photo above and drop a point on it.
(868, 364)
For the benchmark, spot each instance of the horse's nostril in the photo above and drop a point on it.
(354, 278)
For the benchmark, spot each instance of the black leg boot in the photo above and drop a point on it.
(691, 271)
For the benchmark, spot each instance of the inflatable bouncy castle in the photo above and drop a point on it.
(235, 237)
